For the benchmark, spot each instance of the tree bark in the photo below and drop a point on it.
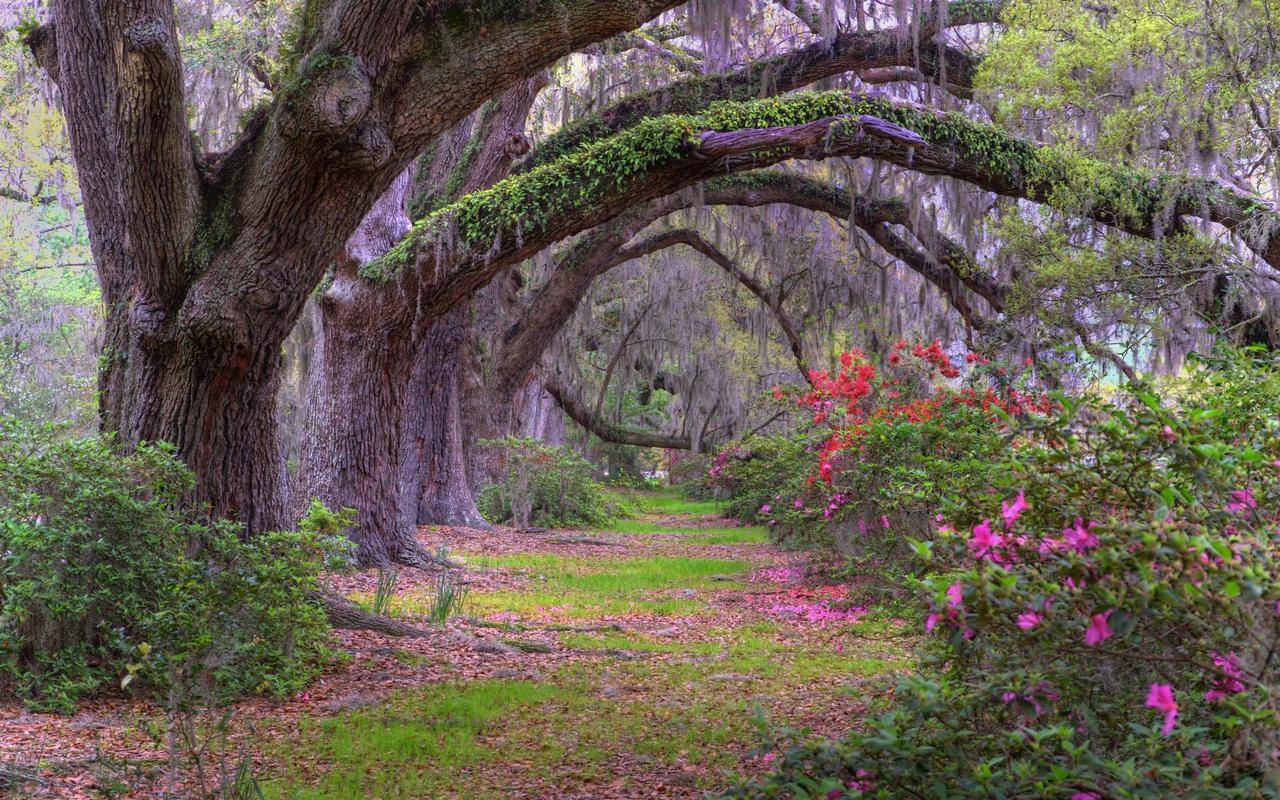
(435, 466)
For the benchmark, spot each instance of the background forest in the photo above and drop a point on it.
(368, 363)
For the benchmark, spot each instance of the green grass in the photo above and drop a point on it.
(414, 746)
(589, 587)
(465, 741)
(753, 535)
(685, 702)
(635, 502)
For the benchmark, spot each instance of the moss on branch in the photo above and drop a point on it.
(526, 205)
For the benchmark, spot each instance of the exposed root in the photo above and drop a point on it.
(562, 539)
(346, 615)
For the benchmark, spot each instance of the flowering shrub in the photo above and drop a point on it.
(107, 576)
(541, 484)
(881, 451)
(1113, 629)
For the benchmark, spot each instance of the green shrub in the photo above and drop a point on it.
(688, 474)
(108, 576)
(763, 473)
(1111, 629)
(541, 485)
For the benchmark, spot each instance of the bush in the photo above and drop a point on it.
(1112, 628)
(763, 473)
(881, 451)
(108, 576)
(541, 485)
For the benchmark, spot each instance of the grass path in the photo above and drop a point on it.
(678, 629)
(655, 641)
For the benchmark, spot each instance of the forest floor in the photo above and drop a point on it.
(651, 646)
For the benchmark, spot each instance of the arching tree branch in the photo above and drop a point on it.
(771, 300)
(606, 431)
(520, 216)
(849, 51)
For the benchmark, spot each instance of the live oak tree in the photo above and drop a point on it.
(205, 260)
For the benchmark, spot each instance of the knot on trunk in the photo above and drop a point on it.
(517, 146)
(331, 97)
(370, 146)
(146, 35)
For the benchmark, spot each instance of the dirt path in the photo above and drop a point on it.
(652, 645)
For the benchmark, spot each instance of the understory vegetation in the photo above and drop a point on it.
(110, 577)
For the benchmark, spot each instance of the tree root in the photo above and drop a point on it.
(13, 775)
(346, 615)
(415, 555)
(561, 539)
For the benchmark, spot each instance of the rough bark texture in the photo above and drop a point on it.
(440, 485)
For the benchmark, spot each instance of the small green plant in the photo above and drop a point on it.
(449, 599)
(388, 577)
(109, 577)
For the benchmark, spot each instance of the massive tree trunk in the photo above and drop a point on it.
(205, 260)
(435, 463)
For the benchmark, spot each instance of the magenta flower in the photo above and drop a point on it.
(1080, 537)
(1028, 620)
(1084, 796)
(798, 503)
(1012, 511)
(766, 508)
(1161, 697)
(1229, 681)
(931, 621)
(1168, 435)
(955, 594)
(1243, 501)
(1098, 630)
(984, 539)
(884, 520)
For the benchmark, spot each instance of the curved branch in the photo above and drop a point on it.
(846, 52)
(607, 431)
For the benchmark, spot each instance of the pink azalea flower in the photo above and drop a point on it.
(884, 520)
(984, 539)
(1161, 697)
(1072, 583)
(1098, 630)
(798, 503)
(1229, 681)
(1012, 511)
(1028, 620)
(931, 621)
(955, 594)
(1084, 796)
(1080, 537)
(1168, 435)
(766, 508)
(1244, 501)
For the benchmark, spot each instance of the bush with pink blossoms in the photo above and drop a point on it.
(1113, 629)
